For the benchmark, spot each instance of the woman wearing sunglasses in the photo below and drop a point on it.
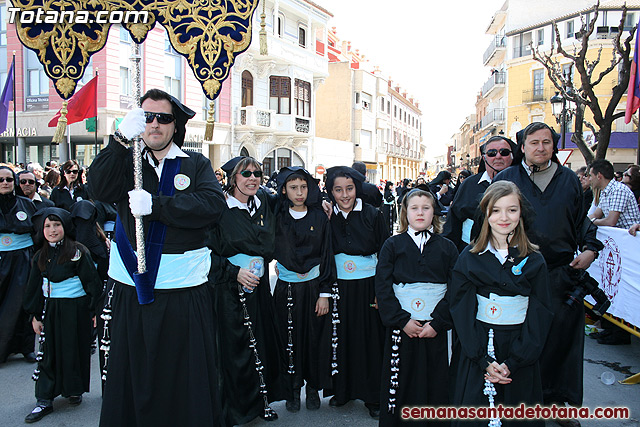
(250, 351)
(70, 189)
(16, 245)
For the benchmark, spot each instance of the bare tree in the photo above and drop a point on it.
(582, 92)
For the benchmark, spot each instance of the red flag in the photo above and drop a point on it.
(82, 105)
(633, 90)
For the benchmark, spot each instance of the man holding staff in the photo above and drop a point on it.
(161, 366)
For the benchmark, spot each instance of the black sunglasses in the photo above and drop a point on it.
(74, 171)
(27, 181)
(247, 174)
(9, 179)
(163, 118)
(504, 152)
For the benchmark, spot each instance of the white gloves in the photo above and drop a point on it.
(133, 124)
(140, 202)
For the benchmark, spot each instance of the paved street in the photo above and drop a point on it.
(16, 395)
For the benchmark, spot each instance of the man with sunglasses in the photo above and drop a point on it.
(29, 187)
(162, 362)
(497, 155)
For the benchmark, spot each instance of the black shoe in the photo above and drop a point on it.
(38, 413)
(613, 339)
(374, 410)
(603, 333)
(75, 400)
(30, 357)
(313, 399)
(271, 416)
(334, 402)
(293, 405)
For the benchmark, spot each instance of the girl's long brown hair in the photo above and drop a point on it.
(67, 250)
(495, 192)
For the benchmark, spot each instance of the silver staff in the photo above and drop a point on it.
(137, 157)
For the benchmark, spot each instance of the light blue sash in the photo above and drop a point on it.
(419, 299)
(502, 310)
(467, 225)
(13, 242)
(353, 267)
(293, 277)
(250, 262)
(69, 288)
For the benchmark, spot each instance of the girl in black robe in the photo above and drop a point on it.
(357, 234)
(60, 295)
(306, 271)
(16, 248)
(70, 189)
(500, 268)
(251, 354)
(411, 282)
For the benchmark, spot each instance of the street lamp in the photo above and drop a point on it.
(562, 112)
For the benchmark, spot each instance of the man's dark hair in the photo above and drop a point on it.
(582, 170)
(360, 167)
(158, 95)
(602, 166)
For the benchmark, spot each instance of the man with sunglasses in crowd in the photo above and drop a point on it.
(161, 362)
(497, 155)
(29, 186)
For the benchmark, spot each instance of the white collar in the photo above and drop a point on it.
(36, 197)
(296, 214)
(499, 253)
(419, 239)
(527, 168)
(357, 207)
(174, 152)
(485, 177)
(232, 202)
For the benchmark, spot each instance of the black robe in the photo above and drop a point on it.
(62, 198)
(301, 245)
(16, 333)
(423, 362)
(518, 346)
(463, 207)
(66, 362)
(360, 331)
(238, 232)
(389, 210)
(560, 228)
(168, 344)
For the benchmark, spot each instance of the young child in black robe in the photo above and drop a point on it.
(306, 271)
(500, 305)
(413, 270)
(358, 231)
(60, 295)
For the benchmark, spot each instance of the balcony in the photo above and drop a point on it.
(494, 54)
(497, 80)
(257, 118)
(536, 95)
(494, 116)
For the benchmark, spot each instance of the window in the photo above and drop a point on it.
(365, 139)
(570, 30)
(279, 27)
(395, 111)
(382, 104)
(567, 71)
(3, 26)
(357, 98)
(388, 107)
(302, 96)
(538, 84)
(302, 37)
(280, 94)
(247, 88)
(205, 108)
(173, 75)
(37, 80)
(125, 37)
(540, 36)
(629, 21)
(366, 101)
